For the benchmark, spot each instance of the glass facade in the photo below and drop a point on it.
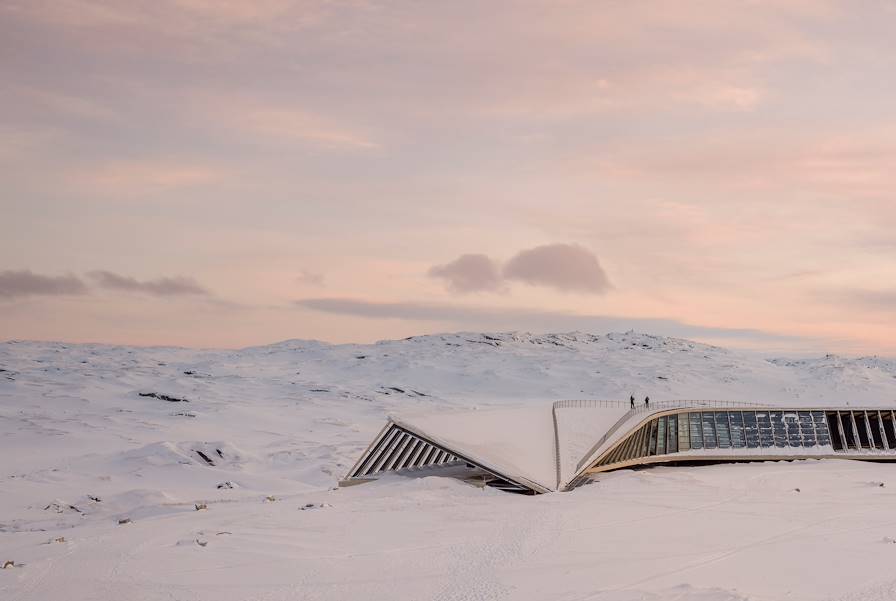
(780, 429)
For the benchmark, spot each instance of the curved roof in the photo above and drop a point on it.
(555, 447)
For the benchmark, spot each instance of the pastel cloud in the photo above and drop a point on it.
(706, 152)
(290, 123)
(164, 286)
(21, 284)
(564, 267)
(469, 273)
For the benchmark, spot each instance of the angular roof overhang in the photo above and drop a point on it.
(539, 449)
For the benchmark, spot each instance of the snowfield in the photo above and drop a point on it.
(165, 473)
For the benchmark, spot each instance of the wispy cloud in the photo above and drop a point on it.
(20, 284)
(164, 286)
(698, 154)
(127, 178)
(182, 16)
(294, 124)
(268, 119)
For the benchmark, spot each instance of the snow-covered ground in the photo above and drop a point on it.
(92, 435)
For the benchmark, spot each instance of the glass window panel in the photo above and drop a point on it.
(859, 417)
(641, 441)
(631, 447)
(638, 445)
(889, 428)
(605, 460)
(766, 439)
(652, 447)
(792, 426)
(409, 454)
(848, 432)
(614, 455)
(645, 442)
(672, 427)
(736, 419)
(722, 430)
(874, 423)
(696, 429)
(807, 429)
(620, 453)
(835, 431)
(822, 435)
(779, 430)
(751, 429)
(709, 431)
(626, 449)
(684, 432)
(661, 436)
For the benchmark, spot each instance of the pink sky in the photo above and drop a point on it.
(224, 173)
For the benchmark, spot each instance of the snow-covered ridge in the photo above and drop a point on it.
(306, 408)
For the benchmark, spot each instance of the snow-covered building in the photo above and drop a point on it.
(559, 447)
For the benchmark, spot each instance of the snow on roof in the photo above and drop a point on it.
(525, 444)
(517, 443)
(578, 428)
(522, 442)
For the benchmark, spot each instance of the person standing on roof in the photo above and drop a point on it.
(647, 402)
(633, 401)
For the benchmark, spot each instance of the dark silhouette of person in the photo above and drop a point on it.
(647, 401)
(633, 401)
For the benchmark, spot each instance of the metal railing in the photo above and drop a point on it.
(589, 404)
(575, 404)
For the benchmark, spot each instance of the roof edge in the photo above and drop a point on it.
(502, 472)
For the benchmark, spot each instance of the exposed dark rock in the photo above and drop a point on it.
(163, 397)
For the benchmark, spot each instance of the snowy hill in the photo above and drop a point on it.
(150, 432)
(305, 408)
